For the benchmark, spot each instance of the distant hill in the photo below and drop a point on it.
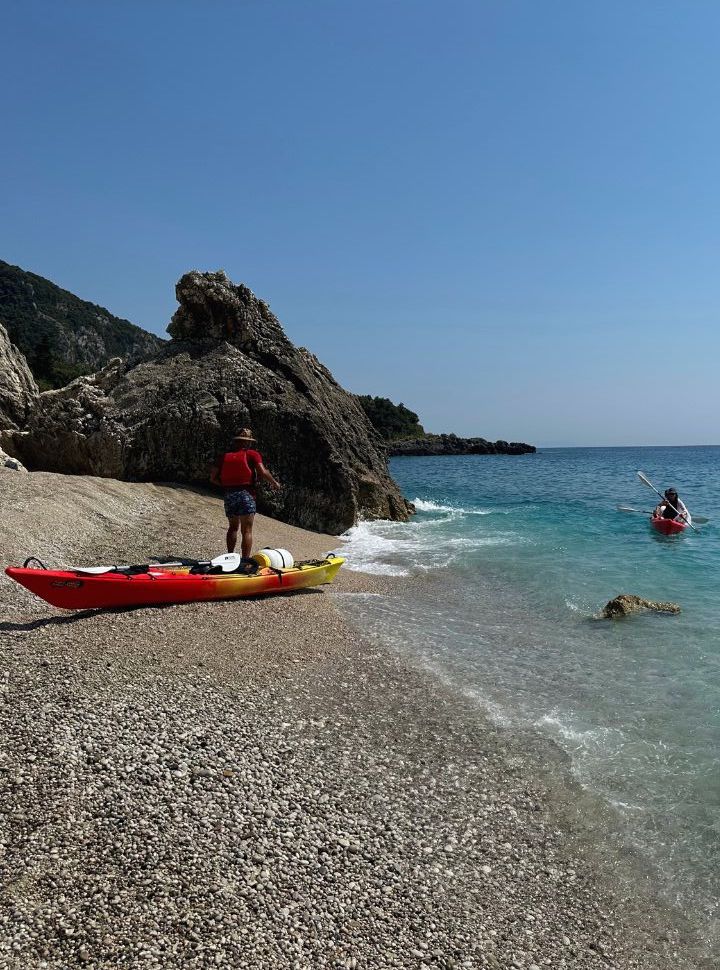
(61, 335)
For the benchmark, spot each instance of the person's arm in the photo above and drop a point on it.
(267, 477)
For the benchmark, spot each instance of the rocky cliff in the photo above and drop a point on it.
(61, 335)
(450, 444)
(18, 390)
(228, 365)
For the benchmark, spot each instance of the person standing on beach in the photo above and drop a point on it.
(237, 472)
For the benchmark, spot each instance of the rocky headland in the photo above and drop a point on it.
(451, 444)
(227, 365)
(400, 429)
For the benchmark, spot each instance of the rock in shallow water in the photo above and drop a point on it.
(627, 603)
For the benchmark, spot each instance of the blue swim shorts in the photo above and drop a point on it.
(239, 501)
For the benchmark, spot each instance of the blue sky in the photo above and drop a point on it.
(503, 214)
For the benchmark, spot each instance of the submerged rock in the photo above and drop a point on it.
(626, 603)
(229, 365)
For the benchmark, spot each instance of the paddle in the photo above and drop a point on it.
(649, 484)
(228, 562)
(700, 519)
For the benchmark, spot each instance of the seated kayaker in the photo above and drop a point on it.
(672, 507)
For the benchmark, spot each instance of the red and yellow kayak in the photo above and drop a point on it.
(73, 589)
(668, 527)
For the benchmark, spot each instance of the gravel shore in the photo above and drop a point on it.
(249, 784)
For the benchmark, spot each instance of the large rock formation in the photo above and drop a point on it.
(228, 365)
(60, 334)
(18, 389)
(451, 444)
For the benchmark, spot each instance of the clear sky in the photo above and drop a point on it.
(503, 213)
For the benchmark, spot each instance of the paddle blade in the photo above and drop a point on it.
(645, 481)
(626, 508)
(92, 570)
(228, 562)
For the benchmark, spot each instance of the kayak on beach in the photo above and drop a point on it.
(110, 587)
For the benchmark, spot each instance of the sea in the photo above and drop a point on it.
(507, 564)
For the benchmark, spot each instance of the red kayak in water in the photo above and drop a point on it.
(668, 527)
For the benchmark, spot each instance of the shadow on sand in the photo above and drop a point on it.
(9, 627)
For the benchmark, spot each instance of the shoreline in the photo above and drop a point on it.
(256, 784)
(593, 832)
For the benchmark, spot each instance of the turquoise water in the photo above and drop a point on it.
(511, 559)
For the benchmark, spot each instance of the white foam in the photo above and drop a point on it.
(367, 549)
(426, 505)
(477, 542)
(588, 738)
(401, 548)
(496, 714)
(627, 806)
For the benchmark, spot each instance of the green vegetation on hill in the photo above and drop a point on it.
(391, 421)
(61, 335)
(50, 370)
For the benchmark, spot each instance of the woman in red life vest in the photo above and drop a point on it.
(237, 472)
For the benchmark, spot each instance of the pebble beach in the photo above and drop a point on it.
(252, 784)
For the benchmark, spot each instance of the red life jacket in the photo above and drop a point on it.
(237, 470)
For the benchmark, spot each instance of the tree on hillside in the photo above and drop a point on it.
(391, 421)
(41, 361)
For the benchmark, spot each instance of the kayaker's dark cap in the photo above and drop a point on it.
(245, 434)
(670, 493)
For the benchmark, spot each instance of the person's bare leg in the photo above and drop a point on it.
(233, 525)
(246, 525)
